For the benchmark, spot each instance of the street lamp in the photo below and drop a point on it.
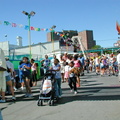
(32, 13)
(53, 27)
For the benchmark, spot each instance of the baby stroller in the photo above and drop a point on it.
(47, 93)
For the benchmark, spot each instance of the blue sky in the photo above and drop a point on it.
(97, 15)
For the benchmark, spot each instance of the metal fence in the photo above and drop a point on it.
(19, 55)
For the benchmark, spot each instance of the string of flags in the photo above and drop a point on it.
(26, 27)
(67, 40)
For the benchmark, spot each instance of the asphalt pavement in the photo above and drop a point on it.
(98, 98)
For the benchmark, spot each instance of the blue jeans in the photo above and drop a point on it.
(46, 69)
(57, 85)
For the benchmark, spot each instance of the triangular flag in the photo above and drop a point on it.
(14, 24)
(6, 23)
(20, 25)
(26, 27)
(31, 28)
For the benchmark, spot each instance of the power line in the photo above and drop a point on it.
(107, 40)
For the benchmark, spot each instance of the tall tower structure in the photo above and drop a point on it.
(19, 41)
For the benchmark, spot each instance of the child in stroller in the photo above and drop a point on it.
(48, 92)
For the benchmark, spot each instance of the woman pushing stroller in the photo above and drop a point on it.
(57, 85)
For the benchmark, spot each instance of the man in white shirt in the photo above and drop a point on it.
(52, 61)
(118, 60)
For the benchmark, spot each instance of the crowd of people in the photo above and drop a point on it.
(69, 69)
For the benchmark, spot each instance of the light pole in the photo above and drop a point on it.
(32, 13)
(53, 27)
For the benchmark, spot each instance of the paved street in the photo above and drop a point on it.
(98, 98)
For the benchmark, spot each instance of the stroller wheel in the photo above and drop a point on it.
(51, 102)
(40, 103)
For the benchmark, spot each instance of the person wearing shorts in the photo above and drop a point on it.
(26, 75)
(8, 75)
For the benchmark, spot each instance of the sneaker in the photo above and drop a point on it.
(15, 89)
(30, 95)
(22, 88)
(101, 75)
(71, 90)
(14, 98)
(75, 92)
(26, 95)
(60, 96)
(2, 101)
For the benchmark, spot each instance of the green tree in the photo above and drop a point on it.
(96, 47)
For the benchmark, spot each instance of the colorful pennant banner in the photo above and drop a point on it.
(61, 35)
(26, 27)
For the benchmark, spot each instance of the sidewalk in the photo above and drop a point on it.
(98, 98)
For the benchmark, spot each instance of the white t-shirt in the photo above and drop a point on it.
(58, 73)
(72, 74)
(118, 58)
(52, 62)
(67, 68)
(97, 61)
(8, 64)
(11, 65)
(110, 60)
(68, 61)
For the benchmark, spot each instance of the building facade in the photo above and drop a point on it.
(56, 37)
(87, 37)
(39, 50)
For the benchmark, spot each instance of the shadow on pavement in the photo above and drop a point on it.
(84, 94)
(1, 118)
(92, 94)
